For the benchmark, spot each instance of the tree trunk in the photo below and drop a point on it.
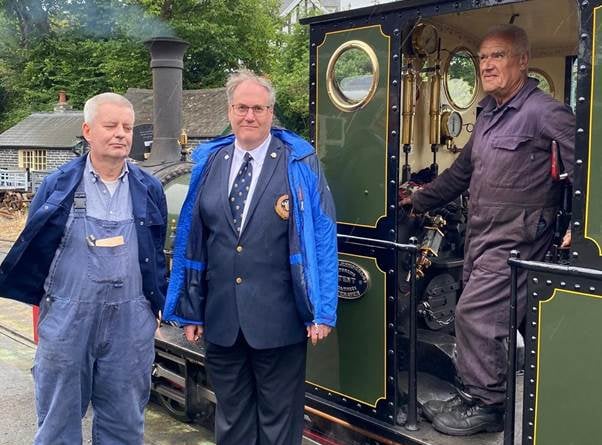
(32, 19)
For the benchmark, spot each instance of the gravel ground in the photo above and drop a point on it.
(11, 226)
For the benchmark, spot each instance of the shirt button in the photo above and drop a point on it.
(239, 249)
(238, 280)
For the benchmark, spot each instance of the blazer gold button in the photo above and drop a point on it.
(238, 280)
(239, 249)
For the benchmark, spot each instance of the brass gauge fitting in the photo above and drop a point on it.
(435, 108)
(409, 105)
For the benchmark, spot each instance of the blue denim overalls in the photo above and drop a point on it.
(96, 336)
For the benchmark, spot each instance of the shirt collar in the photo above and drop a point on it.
(94, 176)
(258, 153)
(489, 104)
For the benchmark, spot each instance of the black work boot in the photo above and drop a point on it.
(467, 419)
(432, 408)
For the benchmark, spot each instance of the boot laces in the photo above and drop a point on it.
(466, 410)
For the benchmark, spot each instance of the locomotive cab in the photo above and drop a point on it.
(394, 91)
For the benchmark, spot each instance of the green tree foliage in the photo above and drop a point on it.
(29, 16)
(290, 75)
(352, 63)
(461, 78)
(87, 47)
(223, 35)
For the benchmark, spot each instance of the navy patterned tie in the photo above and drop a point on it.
(240, 190)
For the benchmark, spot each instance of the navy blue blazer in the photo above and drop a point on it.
(248, 278)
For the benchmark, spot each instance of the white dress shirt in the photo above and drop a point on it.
(258, 155)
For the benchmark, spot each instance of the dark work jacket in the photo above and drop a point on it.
(506, 168)
(26, 266)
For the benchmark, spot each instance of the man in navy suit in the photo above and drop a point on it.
(255, 268)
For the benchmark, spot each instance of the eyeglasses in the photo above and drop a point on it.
(242, 110)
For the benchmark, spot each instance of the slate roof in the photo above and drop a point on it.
(45, 130)
(204, 112)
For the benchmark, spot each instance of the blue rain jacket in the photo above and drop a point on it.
(312, 238)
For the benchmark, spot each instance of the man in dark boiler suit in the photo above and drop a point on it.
(513, 202)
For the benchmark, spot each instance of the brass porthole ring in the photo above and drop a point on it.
(337, 97)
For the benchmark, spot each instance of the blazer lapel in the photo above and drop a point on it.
(267, 171)
(224, 162)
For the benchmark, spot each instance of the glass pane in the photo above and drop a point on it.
(461, 79)
(544, 82)
(353, 75)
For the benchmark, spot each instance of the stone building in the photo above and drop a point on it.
(43, 141)
(204, 112)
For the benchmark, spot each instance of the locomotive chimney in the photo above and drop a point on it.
(167, 55)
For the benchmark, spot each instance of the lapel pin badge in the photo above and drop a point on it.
(282, 207)
(273, 155)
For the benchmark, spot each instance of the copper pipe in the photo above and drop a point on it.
(347, 425)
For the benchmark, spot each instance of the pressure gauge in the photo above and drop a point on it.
(425, 39)
(451, 124)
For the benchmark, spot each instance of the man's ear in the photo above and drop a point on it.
(86, 131)
(523, 62)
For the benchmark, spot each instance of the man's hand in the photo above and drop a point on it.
(406, 201)
(566, 240)
(193, 332)
(318, 332)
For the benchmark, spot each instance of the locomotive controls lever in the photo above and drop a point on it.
(431, 244)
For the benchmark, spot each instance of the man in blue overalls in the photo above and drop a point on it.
(91, 255)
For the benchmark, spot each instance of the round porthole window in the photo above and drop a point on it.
(461, 78)
(545, 82)
(352, 75)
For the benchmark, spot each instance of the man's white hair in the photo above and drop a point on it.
(516, 35)
(238, 77)
(92, 104)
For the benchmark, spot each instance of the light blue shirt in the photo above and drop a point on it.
(258, 155)
(100, 202)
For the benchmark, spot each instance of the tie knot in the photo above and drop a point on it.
(248, 157)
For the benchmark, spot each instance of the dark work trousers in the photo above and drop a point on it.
(96, 339)
(483, 312)
(260, 393)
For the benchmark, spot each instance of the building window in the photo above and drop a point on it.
(32, 159)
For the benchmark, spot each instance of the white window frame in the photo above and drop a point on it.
(34, 159)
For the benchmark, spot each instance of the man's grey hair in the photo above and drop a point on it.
(92, 104)
(238, 77)
(514, 34)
